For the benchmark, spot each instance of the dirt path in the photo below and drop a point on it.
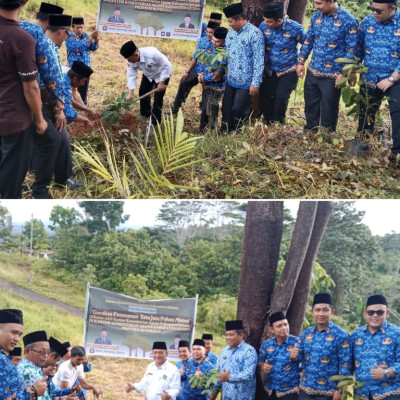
(39, 298)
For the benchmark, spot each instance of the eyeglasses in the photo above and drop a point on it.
(375, 10)
(379, 313)
(42, 352)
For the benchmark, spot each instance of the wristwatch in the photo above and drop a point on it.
(387, 372)
(391, 79)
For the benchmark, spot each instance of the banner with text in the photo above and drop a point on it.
(121, 326)
(171, 19)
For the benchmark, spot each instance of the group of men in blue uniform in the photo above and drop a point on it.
(45, 150)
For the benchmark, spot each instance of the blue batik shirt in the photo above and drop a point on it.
(79, 48)
(329, 37)
(241, 364)
(246, 51)
(203, 29)
(281, 46)
(180, 364)
(69, 111)
(10, 381)
(379, 47)
(47, 60)
(323, 354)
(30, 373)
(212, 357)
(209, 69)
(203, 46)
(284, 377)
(381, 348)
(191, 367)
(54, 392)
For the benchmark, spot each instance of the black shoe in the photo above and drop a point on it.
(72, 185)
(169, 112)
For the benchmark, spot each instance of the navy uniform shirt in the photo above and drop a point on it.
(79, 48)
(329, 37)
(212, 357)
(281, 46)
(284, 377)
(191, 367)
(323, 354)
(203, 46)
(381, 348)
(379, 47)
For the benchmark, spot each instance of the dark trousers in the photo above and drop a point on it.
(51, 156)
(275, 94)
(209, 108)
(145, 104)
(235, 107)
(273, 396)
(368, 110)
(184, 89)
(321, 102)
(15, 155)
(83, 90)
(305, 396)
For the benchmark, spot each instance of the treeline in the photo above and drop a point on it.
(196, 249)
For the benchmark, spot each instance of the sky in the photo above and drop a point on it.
(381, 216)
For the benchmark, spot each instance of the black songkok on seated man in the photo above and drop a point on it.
(207, 336)
(199, 342)
(47, 8)
(78, 21)
(233, 10)
(278, 316)
(57, 347)
(33, 337)
(384, 1)
(60, 21)
(184, 343)
(216, 16)
(376, 299)
(11, 316)
(234, 325)
(220, 33)
(322, 298)
(212, 25)
(273, 10)
(81, 69)
(67, 344)
(159, 346)
(128, 49)
(17, 352)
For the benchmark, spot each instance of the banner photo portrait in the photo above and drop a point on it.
(171, 19)
(121, 326)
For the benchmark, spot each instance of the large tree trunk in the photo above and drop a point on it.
(261, 245)
(298, 305)
(295, 259)
(297, 10)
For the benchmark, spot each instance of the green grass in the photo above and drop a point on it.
(39, 276)
(60, 324)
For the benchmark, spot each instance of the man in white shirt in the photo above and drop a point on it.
(72, 370)
(156, 73)
(162, 380)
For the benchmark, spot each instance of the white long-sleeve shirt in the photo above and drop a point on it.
(153, 63)
(156, 380)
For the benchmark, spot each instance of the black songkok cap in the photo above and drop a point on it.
(47, 8)
(273, 10)
(278, 316)
(216, 16)
(81, 69)
(234, 325)
(17, 352)
(128, 49)
(212, 25)
(11, 316)
(58, 347)
(199, 342)
(60, 21)
(33, 337)
(322, 298)
(220, 33)
(188, 15)
(67, 344)
(233, 10)
(207, 336)
(184, 343)
(78, 21)
(376, 298)
(384, 1)
(159, 346)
